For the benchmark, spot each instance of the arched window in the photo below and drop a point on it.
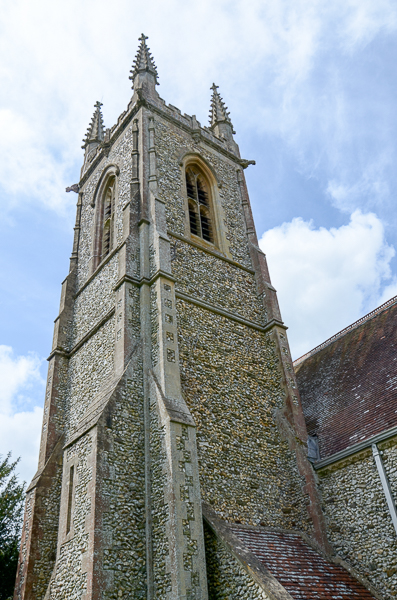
(103, 243)
(199, 201)
(107, 222)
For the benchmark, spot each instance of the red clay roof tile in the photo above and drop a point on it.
(302, 571)
(349, 387)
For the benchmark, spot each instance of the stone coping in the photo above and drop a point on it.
(246, 559)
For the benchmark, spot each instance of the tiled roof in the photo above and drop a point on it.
(302, 571)
(349, 387)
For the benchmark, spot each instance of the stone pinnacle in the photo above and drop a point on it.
(95, 131)
(143, 61)
(218, 110)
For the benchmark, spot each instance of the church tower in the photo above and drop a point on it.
(170, 393)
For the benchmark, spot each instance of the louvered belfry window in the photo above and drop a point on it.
(197, 189)
(107, 223)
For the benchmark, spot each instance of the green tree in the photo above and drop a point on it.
(12, 495)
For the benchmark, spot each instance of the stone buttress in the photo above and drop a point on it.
(170, 380)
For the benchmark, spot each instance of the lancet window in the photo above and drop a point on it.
(105, 221)
(199, 202)
(108, 204)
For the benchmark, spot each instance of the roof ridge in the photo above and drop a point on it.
(342, 332)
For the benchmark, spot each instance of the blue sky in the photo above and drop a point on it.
(311, 88)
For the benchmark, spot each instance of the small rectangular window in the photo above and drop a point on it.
(70, 498)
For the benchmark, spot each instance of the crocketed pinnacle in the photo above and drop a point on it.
(218, 111)
(143, 61)
(95, 131)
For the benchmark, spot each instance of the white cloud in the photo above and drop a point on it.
(327, 278)
(364, 19)
(66, 55)
(20, 435)
(371, 183)
(20, 423)
(28, 167)
(16, 374)
(58, 58)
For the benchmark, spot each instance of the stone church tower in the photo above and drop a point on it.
(170, 390)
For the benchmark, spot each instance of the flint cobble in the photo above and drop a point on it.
(358, 519)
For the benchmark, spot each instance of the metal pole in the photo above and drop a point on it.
(385, 485)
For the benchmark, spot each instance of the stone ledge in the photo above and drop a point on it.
(209, 251)
(85, 338)
(143, 280)
(99, 268)
(224, 313)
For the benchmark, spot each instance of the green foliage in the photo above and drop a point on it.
(11, 512)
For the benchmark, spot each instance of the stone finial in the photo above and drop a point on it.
(143, 62)
(218, 111)
(95, 132)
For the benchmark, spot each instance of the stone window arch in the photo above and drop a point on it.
(104, 227)
(200, 204)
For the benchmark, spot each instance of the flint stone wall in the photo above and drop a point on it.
(206, 277)
(170, 144)
(89, 369)
(123, 493)
(227, 579)
(120, 155)
(358, 520)
(61, 386)
(176, 510)
(230, 373)
(70, 578)
(232, 385)
(47, 543)
(158, 459)
(95, 301)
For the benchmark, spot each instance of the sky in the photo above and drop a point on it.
(311, 88)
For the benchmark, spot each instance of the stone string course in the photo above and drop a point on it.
(89, 369)
(231, 383)
(227, 580)
(228, 286)
(94, 301)
(359, 523)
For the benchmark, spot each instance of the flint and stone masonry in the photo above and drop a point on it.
(170, 380)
